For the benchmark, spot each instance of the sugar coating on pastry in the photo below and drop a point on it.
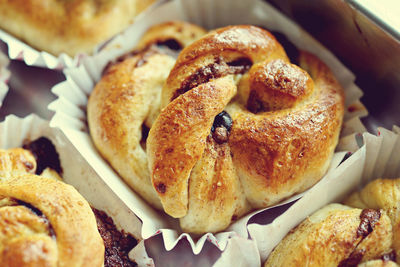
(67, 26)
(232, 124)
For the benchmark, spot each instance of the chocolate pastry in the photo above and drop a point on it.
(234, 126)
(338, 235)
(335, 235)
(45, 222)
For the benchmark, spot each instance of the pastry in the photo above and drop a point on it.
(381, 194)
(119, 119)
(234, 126)
(71, 27)
(364, 232)
(45, 222)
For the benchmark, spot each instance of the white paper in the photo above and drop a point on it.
(4, 76)
(14, 131)
(73, 93)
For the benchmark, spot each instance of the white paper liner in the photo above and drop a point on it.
(4, 76)
(73, 93)
(14, 131)
(379, 157)
(19, 50)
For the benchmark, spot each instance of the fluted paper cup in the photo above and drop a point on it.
(70, 115)
(4, 76)
(15, 131)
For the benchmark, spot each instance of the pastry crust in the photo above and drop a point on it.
(43, 221)
(330, 237)
(277, 151)
(67, 26)
(127, 100)
(382, 194)
(204, 177)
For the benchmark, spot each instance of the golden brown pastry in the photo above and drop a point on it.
(43, 221)
(235, 127)
(67, 26)
(118, 118)
(382, 194)
(331, 236)
(335, 235)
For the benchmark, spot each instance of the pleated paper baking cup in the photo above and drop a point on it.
(379, 157)
(15, 131)
(4, 76)
(19, 50)
(73, 94)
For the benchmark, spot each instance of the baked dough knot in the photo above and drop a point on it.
(233, 124)
(43, 221)
(240, 127)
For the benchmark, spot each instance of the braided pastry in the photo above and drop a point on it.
(238, 126)
(43, 222)
(339, 235)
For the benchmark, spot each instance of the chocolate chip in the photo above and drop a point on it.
(369, 218)
(223, 119)
(161, 188)
(45, 154)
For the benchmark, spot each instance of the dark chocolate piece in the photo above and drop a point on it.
(45, 154)
(368, 217)
(213, 71)
(221, 127)
(117, 243)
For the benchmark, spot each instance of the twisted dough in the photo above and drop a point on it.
(43, 222)
(127, 100)
(284, 131)
(275, 138)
